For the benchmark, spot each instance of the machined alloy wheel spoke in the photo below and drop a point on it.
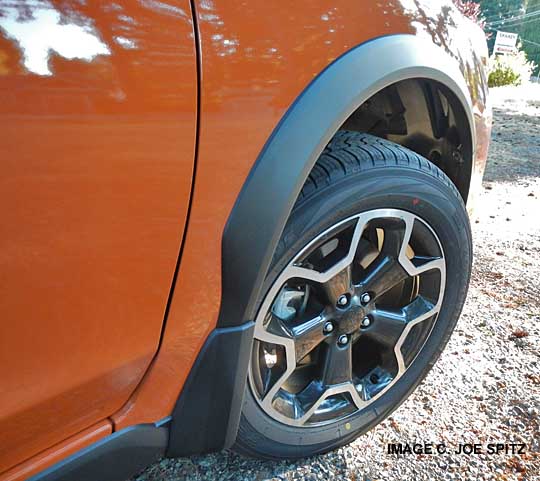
(427, 264)
(416, 312)
(295, 270)
(419, 310)
(418, 265)
(276, 327)
(344, 388)
(306, 336)
(384, 273)
(388, 326)
(337, 364)
(397, 235)
(338, 285)
(298, 341)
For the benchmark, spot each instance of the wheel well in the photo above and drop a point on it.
(426, 117)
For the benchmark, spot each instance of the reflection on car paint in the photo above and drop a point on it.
(40, 33)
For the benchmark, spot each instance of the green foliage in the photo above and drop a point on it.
(530, 33)
(471, 10)
(498, 10)
(517, 16)
(509, 69)
(494, 10)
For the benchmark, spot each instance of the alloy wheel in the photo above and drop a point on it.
(346, 317)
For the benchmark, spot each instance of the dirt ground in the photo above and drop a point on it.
(485, 388)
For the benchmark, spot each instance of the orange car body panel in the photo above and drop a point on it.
(58, 452)
(97, 163)
(124, 217)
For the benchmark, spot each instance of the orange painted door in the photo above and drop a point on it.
(97, 132)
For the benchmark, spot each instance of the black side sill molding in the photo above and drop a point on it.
(114, 458)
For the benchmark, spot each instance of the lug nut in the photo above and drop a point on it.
(366, 322)
(328, 327)
(343, 339)
(365, 298)
(343, 300)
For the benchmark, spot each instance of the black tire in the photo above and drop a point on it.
(358, 172)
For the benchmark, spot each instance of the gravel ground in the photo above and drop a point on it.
(485, 388)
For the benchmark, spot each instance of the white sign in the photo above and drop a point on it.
(505, 42)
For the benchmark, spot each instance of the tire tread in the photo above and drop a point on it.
(352, 152)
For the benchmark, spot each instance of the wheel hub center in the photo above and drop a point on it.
(351, 320)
